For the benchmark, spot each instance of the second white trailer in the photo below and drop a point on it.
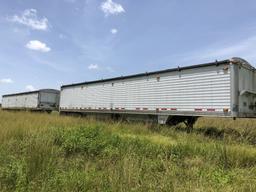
(223, 88)
(39, 100)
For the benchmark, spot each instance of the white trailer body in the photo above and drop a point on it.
(222, 88)
(44, 99)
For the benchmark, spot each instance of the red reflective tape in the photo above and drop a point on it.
(145, 109)
(198, 109)
(116, 108)
(163, 109)
(211, 110)
(137, 108)
(174, 109)
(123, 108)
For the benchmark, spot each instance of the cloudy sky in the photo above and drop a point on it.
(45, 44)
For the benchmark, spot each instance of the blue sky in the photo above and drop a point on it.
(44, 44)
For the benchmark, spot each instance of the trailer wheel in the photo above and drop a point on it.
(48, 111)
(115, 117)
(189, 121)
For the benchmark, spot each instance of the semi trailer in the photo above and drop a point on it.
(39, 100)
(224, 88)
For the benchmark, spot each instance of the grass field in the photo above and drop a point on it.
(42, 152)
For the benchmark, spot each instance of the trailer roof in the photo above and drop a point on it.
(31, 92)
(154, 72)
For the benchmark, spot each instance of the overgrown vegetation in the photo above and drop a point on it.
(41, 152)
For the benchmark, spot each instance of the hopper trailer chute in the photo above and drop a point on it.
(224, 88)
(40, 100)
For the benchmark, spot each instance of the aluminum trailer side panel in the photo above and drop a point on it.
(21, 101)
(44, 99)
(194, 91)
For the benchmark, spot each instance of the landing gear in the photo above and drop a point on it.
(190, 121)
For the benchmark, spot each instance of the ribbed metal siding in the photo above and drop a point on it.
(20, 101)
(247, 82)
(201, 88)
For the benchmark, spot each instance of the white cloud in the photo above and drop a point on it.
(37, 46)
(111, 8)
(93, 67)
(29, 18)
(30, 88)
(113, 31)
(6, 80)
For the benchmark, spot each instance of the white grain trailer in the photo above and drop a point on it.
(222, 89)
(40, 100)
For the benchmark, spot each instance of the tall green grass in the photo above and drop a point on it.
(42, 152)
